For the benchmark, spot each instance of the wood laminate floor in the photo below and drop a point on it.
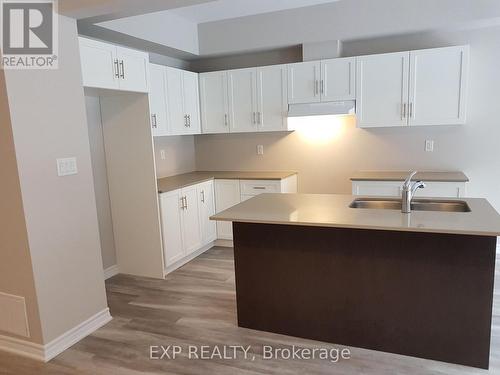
(196, 305)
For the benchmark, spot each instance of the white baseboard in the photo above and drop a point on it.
(190, 257)
(111, 271)
(46, 352)
(224, 243)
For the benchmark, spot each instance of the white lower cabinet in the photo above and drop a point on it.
(186, 226)
(227, 194)
(393, 189)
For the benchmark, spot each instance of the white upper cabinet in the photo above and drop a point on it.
(382, 90)
(133, 69)
(107, 66)
(304, 82)
(191, 101)
(272, 101)
(438, 79)
(183, 101)
(242, 97)
(214, 102)
(338, 79)
(99, 64)
(158, 100)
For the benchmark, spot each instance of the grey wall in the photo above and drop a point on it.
(179, 155)
(325, 164)
(342, 20)
(101, 187)
(47, 110)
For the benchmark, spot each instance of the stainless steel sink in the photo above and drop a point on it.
(416, 204)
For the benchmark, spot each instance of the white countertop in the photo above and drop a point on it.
(332, 210)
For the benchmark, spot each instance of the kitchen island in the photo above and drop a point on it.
(418, 284)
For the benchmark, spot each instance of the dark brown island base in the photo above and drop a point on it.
(416, 292)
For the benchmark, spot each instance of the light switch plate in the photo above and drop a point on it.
(66, 167)
(260, 149)
(429, 145)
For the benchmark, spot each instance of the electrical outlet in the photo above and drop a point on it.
(162, 155)
(260, 149)
(66, 166)
(429, 145)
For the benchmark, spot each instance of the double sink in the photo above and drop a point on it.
(416, 204)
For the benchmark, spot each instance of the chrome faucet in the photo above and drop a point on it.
(408, 191)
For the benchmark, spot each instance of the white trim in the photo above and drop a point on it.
(46, 352)
(111, 271)
(71, 337)
(188, 258)
(22, 347)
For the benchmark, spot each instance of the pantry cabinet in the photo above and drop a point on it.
(106, 66)
(416, 88)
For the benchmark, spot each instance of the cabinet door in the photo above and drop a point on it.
(227, 194)
(272, 100)
(158, 100)
(176, 114)
(438, 79)
(170, 206)
(207, 209)
(382, 90)
(242, 100)
(338, 79)
(214, 105)
(191, 237)
(303, 82)
(191, 102)
(133, 69)
(99, 64)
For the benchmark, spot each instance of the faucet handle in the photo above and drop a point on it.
(408, 179)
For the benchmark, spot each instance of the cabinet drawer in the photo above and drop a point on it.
(256, 187)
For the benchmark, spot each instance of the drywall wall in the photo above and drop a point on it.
(179, 155)
(16, 274)
(341, 20)
(326, 157)
(248, 60)
(100, 175)
(48, 119)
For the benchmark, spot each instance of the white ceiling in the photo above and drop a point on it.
(225, 9)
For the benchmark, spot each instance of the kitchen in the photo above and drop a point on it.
(194, 153)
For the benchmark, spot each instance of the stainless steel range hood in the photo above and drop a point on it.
(347, 107)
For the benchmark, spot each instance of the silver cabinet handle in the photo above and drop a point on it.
(154, 121)
(411, 110)
(253, 114)
(117, 69)
(225, 119)
(189, 120)
(203, 196)
(186, 120)
(182, 203)
(322, 89)
(403, 111)
(122, 75)
(259, 118)
(259, 187)
(316, 87)
(186, 200)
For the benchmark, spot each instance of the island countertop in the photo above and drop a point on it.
(166, 184)
(332, 210)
